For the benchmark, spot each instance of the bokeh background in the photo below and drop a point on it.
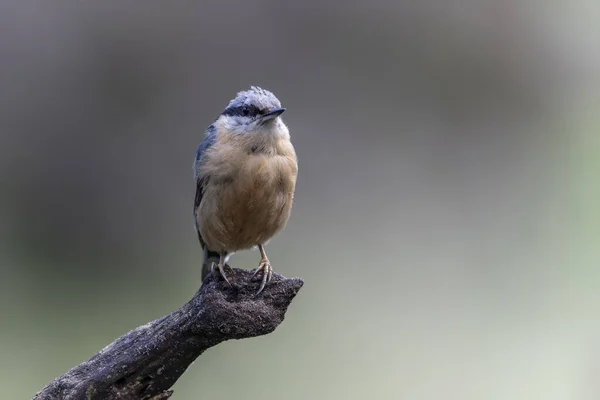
(446, 220)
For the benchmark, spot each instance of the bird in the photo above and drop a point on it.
(245, 171)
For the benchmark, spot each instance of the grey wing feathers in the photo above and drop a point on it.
(209, 140)
(200, 180)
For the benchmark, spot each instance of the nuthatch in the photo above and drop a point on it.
(245, 170)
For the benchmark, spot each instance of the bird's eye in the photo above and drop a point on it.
(245, 111)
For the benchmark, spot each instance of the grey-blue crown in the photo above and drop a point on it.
(256, 97)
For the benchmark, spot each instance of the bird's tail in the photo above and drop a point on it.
(210, 257)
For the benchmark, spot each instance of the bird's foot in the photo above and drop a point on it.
(221, 268)
(265, 267)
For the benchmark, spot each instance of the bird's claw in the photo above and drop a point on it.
(264, 266)
(221, 271)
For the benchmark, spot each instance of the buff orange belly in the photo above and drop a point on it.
(250, 206)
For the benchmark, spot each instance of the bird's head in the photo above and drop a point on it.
(252, 110)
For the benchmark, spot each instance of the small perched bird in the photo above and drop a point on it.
(245, 170)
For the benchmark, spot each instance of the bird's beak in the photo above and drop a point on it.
(272, 114)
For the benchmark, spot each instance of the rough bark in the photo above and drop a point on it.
(147, 361)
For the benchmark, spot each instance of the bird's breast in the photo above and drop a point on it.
(248, 197)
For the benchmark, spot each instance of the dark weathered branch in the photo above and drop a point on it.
(146, 362)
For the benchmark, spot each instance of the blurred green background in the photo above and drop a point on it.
(446, 219)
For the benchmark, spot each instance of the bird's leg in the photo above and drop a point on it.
(264, 266)
(221, 266)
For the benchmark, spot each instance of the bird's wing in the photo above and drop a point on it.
(209, 140)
